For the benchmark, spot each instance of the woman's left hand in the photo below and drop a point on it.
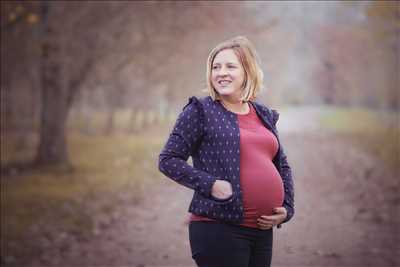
(267, 222)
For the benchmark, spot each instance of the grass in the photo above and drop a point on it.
(106, 172)
(375, 132)
(123, 122)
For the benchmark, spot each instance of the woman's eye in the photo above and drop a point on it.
(228, 67)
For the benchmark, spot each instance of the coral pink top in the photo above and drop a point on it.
(260, 181)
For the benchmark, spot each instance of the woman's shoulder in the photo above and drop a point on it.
(273, 114)
(196, 107)
(198, 102)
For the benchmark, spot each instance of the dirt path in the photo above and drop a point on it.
(344, 217)
(345, 204)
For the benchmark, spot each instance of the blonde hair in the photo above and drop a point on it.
(246, 53)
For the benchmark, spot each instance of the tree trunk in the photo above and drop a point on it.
(52, 145)
(54, 100)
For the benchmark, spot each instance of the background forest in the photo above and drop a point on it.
(91, 89)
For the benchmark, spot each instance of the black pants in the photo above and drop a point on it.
(215, 244)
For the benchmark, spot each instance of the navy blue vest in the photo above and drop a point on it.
(209, 133)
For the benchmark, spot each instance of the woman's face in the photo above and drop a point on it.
(227, 74)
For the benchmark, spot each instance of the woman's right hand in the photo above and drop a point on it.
(221, 189)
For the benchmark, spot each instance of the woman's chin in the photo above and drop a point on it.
(225, 92)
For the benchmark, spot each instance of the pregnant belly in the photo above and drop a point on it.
(262, 191)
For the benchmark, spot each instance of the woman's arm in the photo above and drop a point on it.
(182, 143)
(288, 202)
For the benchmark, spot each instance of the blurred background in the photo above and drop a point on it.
(91, 89)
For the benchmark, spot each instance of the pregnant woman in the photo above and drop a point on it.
(240, 176)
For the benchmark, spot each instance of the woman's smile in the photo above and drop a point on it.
(224, 82)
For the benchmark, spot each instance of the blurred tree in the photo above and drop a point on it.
(384, 24)
(59, 88)
(55, 97)
(69, 56)
(360, 59)
(18, 53)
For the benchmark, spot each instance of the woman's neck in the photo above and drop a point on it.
(235, 105)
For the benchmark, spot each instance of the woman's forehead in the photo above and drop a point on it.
(226, 56)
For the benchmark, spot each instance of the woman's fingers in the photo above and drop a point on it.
(268, 221)
(271, 219)
(265, 224)
(280, 210)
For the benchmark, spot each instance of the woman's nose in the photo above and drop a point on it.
(223, 71)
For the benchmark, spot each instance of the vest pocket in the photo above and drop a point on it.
(227, 210)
